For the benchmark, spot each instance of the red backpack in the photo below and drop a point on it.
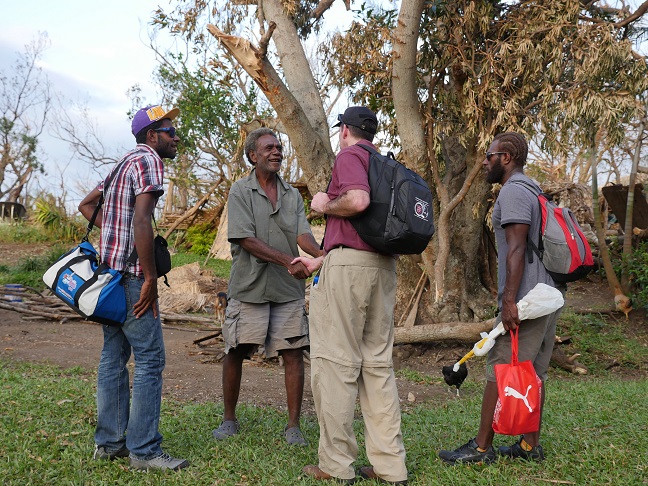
(563, 248)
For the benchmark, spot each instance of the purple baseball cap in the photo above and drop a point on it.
(146, 116)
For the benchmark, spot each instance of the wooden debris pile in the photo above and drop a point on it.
(191, 289)
(46, 306)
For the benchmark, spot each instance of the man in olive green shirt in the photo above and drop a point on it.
(266, 224)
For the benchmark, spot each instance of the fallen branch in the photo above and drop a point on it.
(25, 310)
(560, 360)
(206, 338)
(444, 331)
(193, 210)
(171, 317)
(23, 291)
(53, 308)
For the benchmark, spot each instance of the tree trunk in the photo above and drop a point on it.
(220, 248)
(405, 87)
(314, 153)
(467, 332)
(296, 68)
(455, 260)
(604, 254)
(23, 179)
(627, 239)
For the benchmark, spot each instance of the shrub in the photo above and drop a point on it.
(637, 269)
(57, 223)
(200, 238)
(29, 271)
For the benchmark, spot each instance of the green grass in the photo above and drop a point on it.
(221, 268)
(593, 434)
(23, 233)
(603, 344)
(29, 271)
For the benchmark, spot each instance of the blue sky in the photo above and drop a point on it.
(98, 51)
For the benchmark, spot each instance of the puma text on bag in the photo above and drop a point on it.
(563, 248)
(399, 216)
(519, 392)
(92, 289)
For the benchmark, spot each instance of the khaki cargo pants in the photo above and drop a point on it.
(352, 334)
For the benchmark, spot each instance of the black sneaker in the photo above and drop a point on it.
(101, 454)
(469, 453)
(515, 451)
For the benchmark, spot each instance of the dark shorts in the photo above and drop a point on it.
(273, 325)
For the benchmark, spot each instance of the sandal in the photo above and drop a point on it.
(226, 429)
(294, 436)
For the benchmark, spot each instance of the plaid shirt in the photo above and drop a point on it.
(138, 172)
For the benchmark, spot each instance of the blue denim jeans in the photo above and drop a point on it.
(122, 419)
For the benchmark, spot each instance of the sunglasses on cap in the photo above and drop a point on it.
(490, 154)
(170, 130)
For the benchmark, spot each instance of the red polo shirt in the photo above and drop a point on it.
(350, 171)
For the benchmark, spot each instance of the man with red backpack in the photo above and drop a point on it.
(517, 221)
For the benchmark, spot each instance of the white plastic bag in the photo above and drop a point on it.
(541, 300)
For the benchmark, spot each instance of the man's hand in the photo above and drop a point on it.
(148, 298)
(319, 202)
(312, 264)
(298, 270)
(510, 317)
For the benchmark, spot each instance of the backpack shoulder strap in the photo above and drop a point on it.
(531, 246)
(529, 185)
(371, 150)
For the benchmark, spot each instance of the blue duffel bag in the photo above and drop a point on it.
(91, 288)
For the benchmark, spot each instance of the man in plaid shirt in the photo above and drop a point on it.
(127, 426)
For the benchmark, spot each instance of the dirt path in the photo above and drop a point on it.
(192, 373)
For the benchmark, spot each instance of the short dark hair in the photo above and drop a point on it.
(360, 133)
(514, 144)
(253, 138)
(141, 135)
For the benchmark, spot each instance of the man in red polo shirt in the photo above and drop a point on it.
(352, 324)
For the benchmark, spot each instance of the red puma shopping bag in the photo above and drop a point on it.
(519, 388)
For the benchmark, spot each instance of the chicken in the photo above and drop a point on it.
(455, 378)
(622, 303)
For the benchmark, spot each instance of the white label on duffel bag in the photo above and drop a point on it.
(90, 297)
(52, 272)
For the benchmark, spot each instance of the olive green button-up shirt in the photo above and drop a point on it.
(250, 214)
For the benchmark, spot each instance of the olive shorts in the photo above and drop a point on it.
(536, 339)
(277, 326)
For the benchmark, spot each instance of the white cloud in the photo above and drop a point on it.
(98, 51)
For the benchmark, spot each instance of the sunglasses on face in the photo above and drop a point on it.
(490, 154)
(171, 131)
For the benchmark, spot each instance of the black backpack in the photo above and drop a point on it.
(399, 217)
